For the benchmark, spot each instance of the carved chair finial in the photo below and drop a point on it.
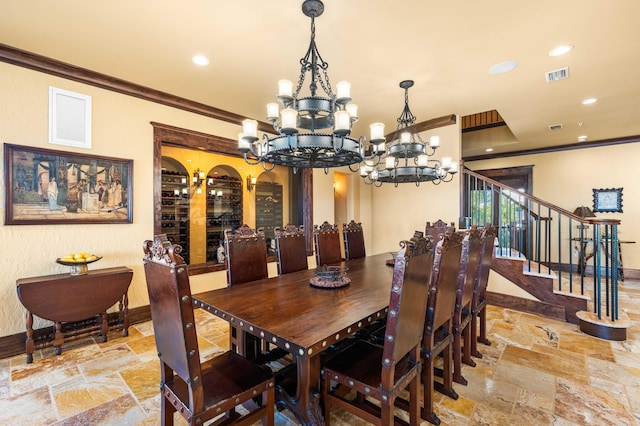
(290, 230)
(352, 226)
(162, 250)
(245, 231)
(325, 227)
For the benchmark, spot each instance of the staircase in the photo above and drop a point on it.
(548, 252)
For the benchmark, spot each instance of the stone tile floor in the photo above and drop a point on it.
(536, 372)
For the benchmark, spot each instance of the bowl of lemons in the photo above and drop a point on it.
(78, 262)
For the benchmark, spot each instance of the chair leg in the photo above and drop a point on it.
(414, 401)
(457, 357)
(386, 413)
(325, 384)
(268, 419)
(167, 409)
(446, 387)
(427, 394)
(474, 335)
(483, 327)
(466, 349)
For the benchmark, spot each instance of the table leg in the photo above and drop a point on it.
(58, 338)
(124, 307)
(104, 326)
(30, 345)
(306, 404)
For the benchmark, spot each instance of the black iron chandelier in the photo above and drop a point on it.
(408, 157)
(313, 131)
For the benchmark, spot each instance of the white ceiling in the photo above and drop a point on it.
(446, 47)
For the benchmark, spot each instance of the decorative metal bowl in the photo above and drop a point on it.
(330, 277)
(80, 267)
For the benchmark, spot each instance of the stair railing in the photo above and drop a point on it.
(550, 239)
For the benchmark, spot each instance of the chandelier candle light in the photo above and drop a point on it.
(313, 131)
(408, 156)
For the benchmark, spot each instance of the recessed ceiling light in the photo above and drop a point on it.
(489, 149)
(200, 60)
(503, 67)
(582, 138)
(561, 50)
(589, 101)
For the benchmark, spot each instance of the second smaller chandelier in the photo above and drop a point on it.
(408, 157)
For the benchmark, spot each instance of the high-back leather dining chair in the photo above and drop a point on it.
(353, 240)
(245, 255)
(291, 249)
(438, 229)
(198, 391)
(438, 332)
(382, 372)
(472, 252)
(246, 260)
(479, 302)
(326, 241)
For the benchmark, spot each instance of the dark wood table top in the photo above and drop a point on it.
(302, 319)
(68, 298)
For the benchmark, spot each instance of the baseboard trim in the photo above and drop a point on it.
(14, 344)
(527, 305)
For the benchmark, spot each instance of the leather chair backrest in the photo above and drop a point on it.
(408, 301)
(291, 249)
(326, 240)
(474, 242)
(353, 240)
(444, 280)
(171, 308)
(246, 255)
(489, 234)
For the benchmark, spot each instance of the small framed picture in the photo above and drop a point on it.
(607, 200)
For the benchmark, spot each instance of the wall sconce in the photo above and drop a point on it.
(251, 182)
(198, 178)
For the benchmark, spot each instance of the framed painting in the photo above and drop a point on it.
(51, 187)
(607, 200)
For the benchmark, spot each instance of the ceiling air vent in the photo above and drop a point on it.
(556, 75)
(555, 127)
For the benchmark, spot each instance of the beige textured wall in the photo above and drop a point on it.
(398, 212)
(120, 129)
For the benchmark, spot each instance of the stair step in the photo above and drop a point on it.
(509, 253)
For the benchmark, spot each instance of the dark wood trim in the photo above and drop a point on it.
(526, 305)
(165, 134)
(603, 331)
(50, 66)
(14, 344)
(481, 120)
(539, 287)
(557, 148)
(433, 123)
(484, 126)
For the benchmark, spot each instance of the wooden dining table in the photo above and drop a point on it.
(304, 320)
